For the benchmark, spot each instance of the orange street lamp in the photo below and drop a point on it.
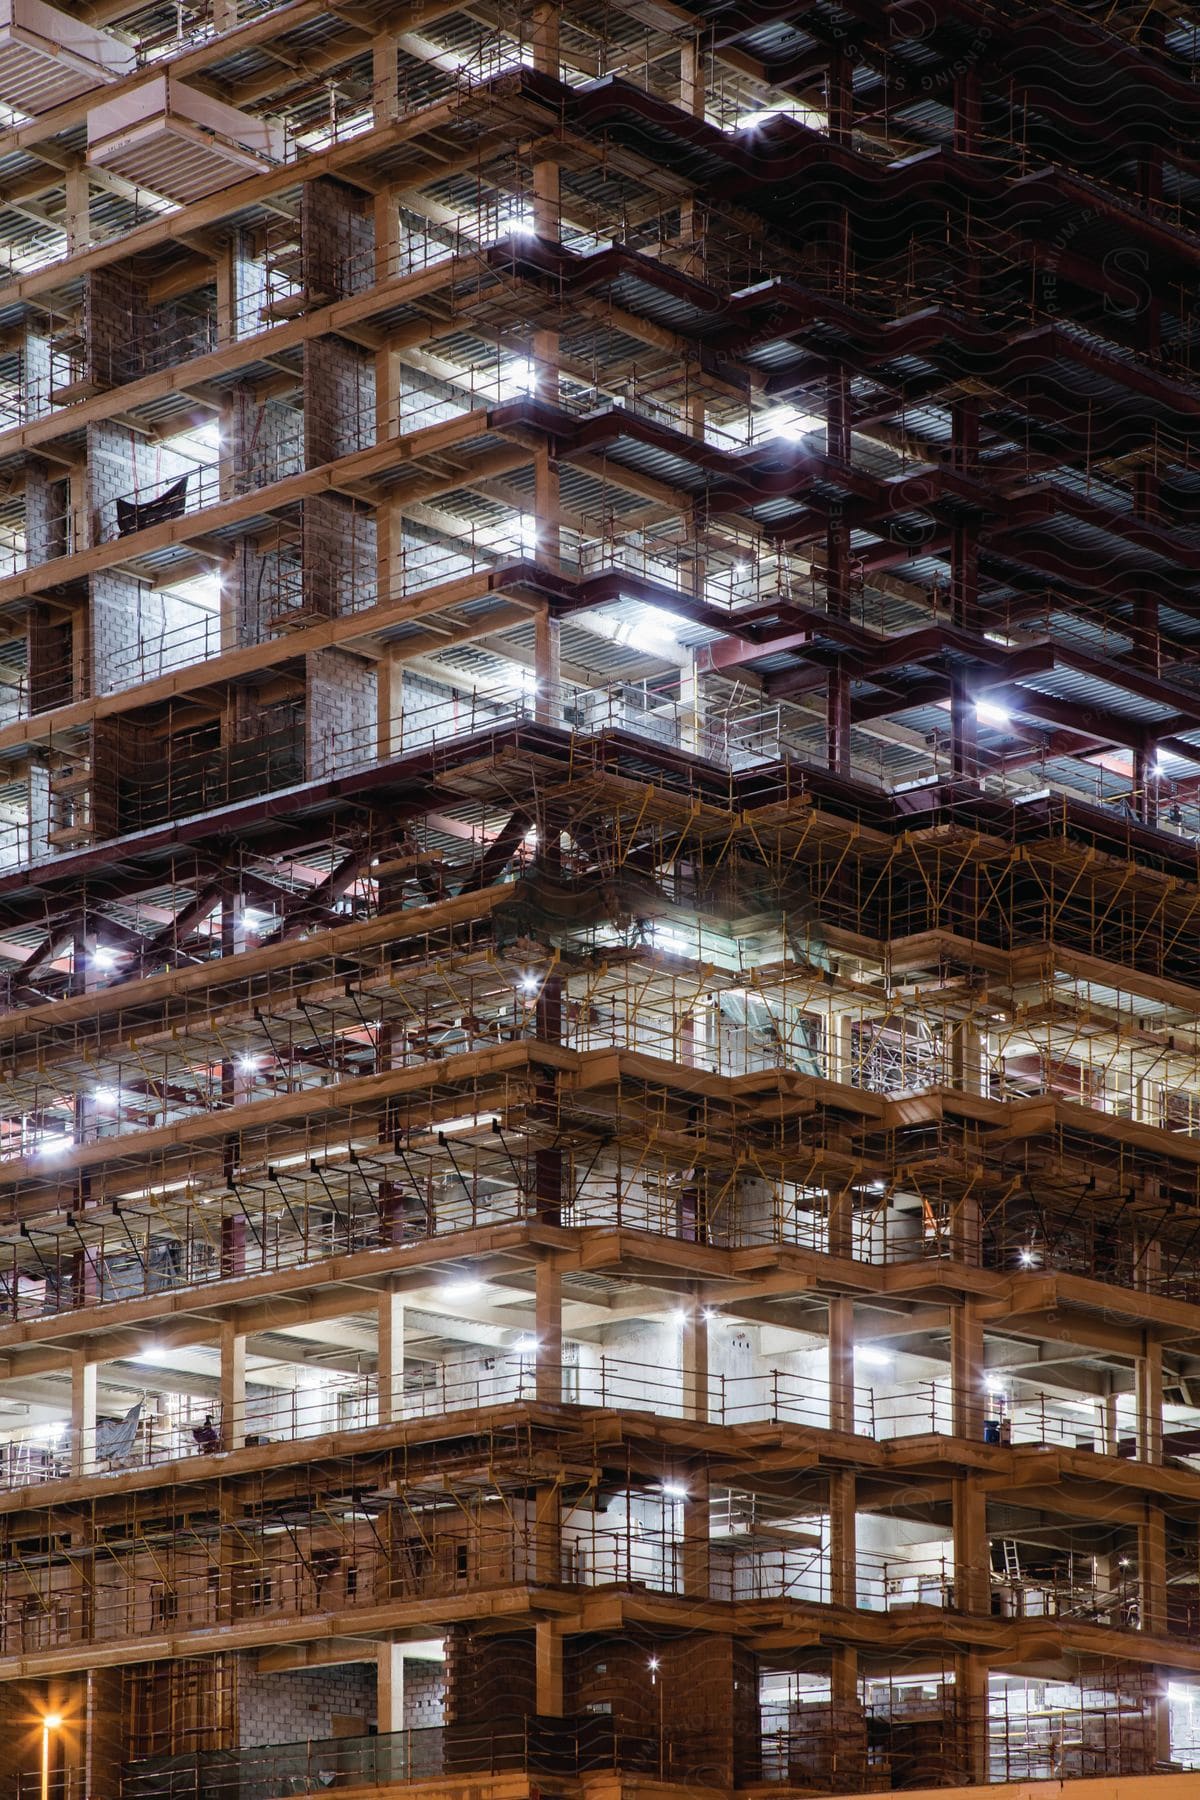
(51, 1722)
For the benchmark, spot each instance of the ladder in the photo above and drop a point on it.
(1012, 1560)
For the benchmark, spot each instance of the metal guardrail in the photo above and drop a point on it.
(552, 1747)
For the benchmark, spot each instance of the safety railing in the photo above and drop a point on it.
(156, 652)
(193, 1427)
(146, 1590)
(58, 1783)
(732, 740)
(190, 1426)
(895, 1583)
(211, 1580)
(560, 1748)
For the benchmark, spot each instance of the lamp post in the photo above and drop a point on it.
(50, 1722)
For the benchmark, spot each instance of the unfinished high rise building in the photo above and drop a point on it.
(599, 897)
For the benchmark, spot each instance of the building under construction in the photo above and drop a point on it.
(599, 897)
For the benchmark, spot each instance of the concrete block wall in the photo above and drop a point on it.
(105, 1748)
(173, 1708)
(115, 610)
(654, 1349)
(59, 663)
(115, 321)
(629, 1540)
(338, 547)
(38, 778)
(431, 710)
(491, 1689)
(751, 1219)
(424, 1693)
(423, 401)
(700, 1689)
(337, 236)
(260, 574)
(138, 633)
(318, 563)
(46, 500)
(123, 465)
(478, 1377)
(422, 244)
(36, 372)
(248, 284)
(264, 440)
(339, 400)
(290, 1706)
(126, 334)
(339, 711)
(427, 560)
(267, 746)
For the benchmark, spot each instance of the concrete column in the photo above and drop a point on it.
(964, 731)
(971, 1685)
(1152, 1571)
(233, 1245)
(965, 1231)
(389, 1688)
(83, 1414)
(840, 1048)
(385, 84)
(689, 706)
(1112, 1422)
(972, 1569)
(545, 48)
(691, 99)
(547, 215)
(693, 1362)
(548, 1330)
(85, 1264)
(549, 1660)
(390, 1366)
(1106, 1432)
(104, 1747)
(837, 719)
(847, 1725)
(78, 217)
(547, 1535)
(547, 669)
(225, 269)
(389, 702)
(966, 1369)
(1148, 1255)
(545, 504)
(843, 1683)
(841, 1364)
(389, 244)
(231, 1561)
(966, 1058)
(1148, 1383)
(233, 1388)
(229, 578)
(840, 1240)
(697, 1533)
(843, 1539)
(1114, 1580)
(1160, 1724)
(79, 511)
(389, 381)
(390, 567)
